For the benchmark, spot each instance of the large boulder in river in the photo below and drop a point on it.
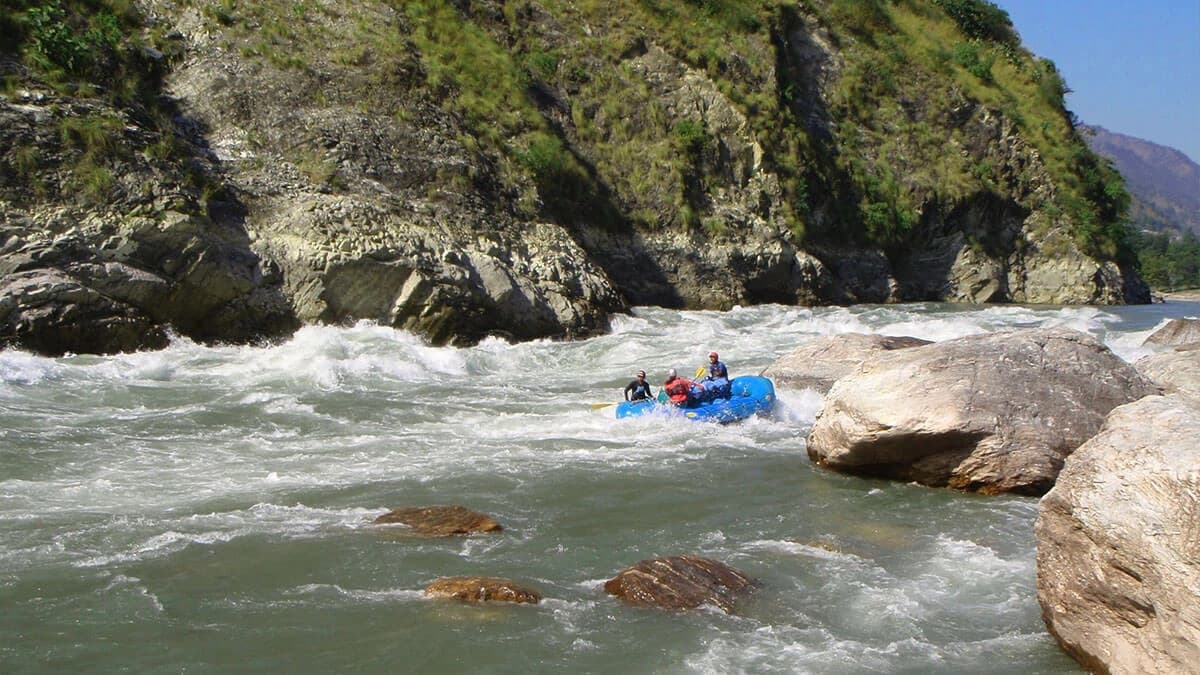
(1118, 543)
(818, 364)
(440, 521)
(1176, 332)
(1175, 370)
(482, 589)
(989, 413)
(680, 582)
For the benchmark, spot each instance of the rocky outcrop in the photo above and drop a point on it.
(440, 521)
(680, 582)
(1118, 543)
(385, 214)
(116, 276)
(482, 589)
(362, 166)
(1176, 333)
(818, 364)
(990, 413)
(1177, 370)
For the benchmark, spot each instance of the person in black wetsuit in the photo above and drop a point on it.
(639, 388)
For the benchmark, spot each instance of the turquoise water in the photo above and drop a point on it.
(208, 509)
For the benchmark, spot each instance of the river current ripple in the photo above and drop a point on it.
(208, 508)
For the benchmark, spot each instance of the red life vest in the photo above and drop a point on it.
(677, 390)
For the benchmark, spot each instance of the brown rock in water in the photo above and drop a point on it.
(1176, 332)
(680, 582)
(482, 589)
(440, 521)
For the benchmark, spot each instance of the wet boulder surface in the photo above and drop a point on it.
(681, 582)
(482, 589)
(440, 521)
(989, 413)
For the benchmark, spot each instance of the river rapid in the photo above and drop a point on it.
(208, 509)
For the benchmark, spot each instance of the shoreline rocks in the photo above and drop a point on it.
(989, 413)
(1176, 370)
(1118, 542)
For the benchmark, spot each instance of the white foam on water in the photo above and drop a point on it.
(18, 367)
(122, 540)
(158, 546)
(970, 576)
(798, 406)
(322, 593)
(792, 548)
(121, 584)
(144, 455)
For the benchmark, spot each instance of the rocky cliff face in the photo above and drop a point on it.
(527, 169)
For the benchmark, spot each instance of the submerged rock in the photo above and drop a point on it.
(680, 582)
(440, 521)
(989, 413)
(1118, 543)
(482, 589)
(820, 363)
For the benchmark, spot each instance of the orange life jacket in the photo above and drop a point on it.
(677, 390)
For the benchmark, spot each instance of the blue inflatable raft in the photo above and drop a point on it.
(749, 395)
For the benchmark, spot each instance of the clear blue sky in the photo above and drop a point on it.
(1133, 66)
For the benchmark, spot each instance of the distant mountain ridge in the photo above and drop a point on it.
(1164, 182)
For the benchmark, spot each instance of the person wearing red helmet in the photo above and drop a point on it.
(716, 382)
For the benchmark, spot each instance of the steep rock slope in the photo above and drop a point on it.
(525, 169)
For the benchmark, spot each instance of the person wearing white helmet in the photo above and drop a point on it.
(678, 390)
(639, 388)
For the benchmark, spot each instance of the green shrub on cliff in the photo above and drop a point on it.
(77, 44)
(981, 20)
(551, 94)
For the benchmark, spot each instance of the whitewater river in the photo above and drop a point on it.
(208, 509)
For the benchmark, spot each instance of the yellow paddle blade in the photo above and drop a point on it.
(597, 406)
(700, 371)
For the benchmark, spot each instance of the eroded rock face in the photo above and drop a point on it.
(818, 364)
(990, 413)
(1176, 332)
(482, 589)
(51, 312)
(440, 521)
(1118, 543)
(150, 253)
(355, 187)
(680, 582)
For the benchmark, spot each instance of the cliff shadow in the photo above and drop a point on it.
(586, 206)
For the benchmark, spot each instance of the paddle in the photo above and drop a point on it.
(597, 406)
